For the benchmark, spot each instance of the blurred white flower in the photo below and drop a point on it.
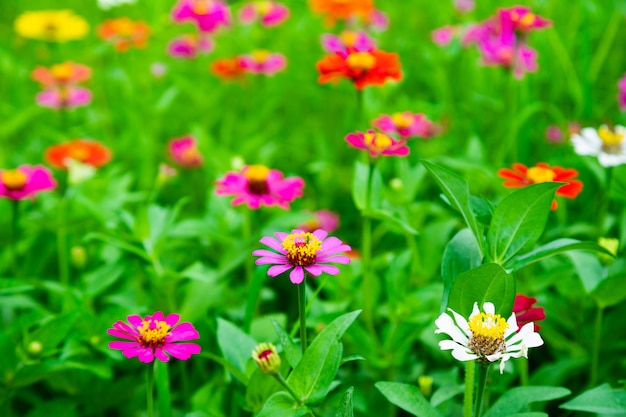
(607, 143)
(107, 4)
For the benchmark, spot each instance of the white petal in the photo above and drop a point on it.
(446, 325)
(611, 160)
(589, 143)
(475, 310)
(489, 308)
(463, 355)
(461, 322)
(512, 326)
(451, 345)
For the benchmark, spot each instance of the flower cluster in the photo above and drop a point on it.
(207, 15)
(190, 45)
(61, 85)
(124, 33)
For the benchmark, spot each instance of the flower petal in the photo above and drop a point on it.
(182, 351)
(297, 275)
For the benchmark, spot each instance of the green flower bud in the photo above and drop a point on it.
(267, 358)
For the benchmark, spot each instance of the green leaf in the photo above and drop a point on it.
(236, 346)
(589, 269)
(602, 399)
(488, 282)
(455, 188)
(610, 292)
(8, 358)
(532, 414)
(460, 255)
(292, 351)
(519, 220)
(259, 389)
(10, 286)
(517, 399)
(282, 405)
(445, 393)
(359, 186)
(392, 218)
(53, 332)
(553, 248)
(254, 294)
(118, 243)
(312, 377)
(408, 398)
(345, 408)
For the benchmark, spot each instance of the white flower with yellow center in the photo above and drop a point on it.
(607, 143)
(486, 336)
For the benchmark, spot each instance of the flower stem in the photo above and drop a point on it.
(469, 388)
(291, 392)
(366, 255)
(595, 352)
(302, 312)
(479, 384)
(63, 252)
(15, 212)
(150, 389)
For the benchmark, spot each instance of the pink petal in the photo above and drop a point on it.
(271, 261)
(119, 345)
(273, 243)
(268, 254)
(122, 335)
(182, 351)
(278, 269)
(297, 275)
(135, 320)
(160, 355)
(321, 234)
(334, 259)
(184, 331)
(172, 319)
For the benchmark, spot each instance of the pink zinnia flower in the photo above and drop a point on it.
(61, 74)
(60, 83)
(377, 143)
(406, 124)
(189, 46)
(464, 6)
(67, 97)
(263, 62)
(324, 219)
(184, 151)
(376, 20)
(554, 134)
(444, 35)
(521, 19)
(269, 13)
(209, 15)
(257, 185)
(302, 251)
(621, 93)
(347, 42)
(525, 312)
(25, 181)
(154, 337)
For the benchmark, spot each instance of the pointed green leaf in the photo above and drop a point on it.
(519, 220)
(589, 269)
(611, 291)
(345, 408)
(316, 370)
(553, 248)
(460, 255)
(602, 399)
(488, 282)
(517, 399)
(359, 186)
(293, 353)
(392, 218)
(407, 397)
(53, 332)
(235, 344)
(282, 405)
(455, 188)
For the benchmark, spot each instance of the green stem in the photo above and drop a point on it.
(469, 388)
(479, 390)
(278, 377)
(14, 233)
(604, 46)
(62, 248)
(366, 255)
(150, 389)
(302, 312)
(247, 237)
(523, 371)
(595, 352)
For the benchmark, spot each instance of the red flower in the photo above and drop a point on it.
(228, 68)
(526, 313)
(521, 176)
(89, 152)
(124, 33)
(342, 10)
(374, 67)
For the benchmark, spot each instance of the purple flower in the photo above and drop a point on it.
(302, 251)
(64, 97)
(347, 42)
(25, 181)
(154, 337)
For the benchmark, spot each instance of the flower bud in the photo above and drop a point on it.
(34, 348)
(611, 245)
(425, 384)
(78, 255)
(267, 358)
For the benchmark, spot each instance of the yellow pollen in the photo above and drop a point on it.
(402, 120)
(201, 7)
(527, 19)
(609, 137)
(260, 55)
(302, 248)
(361, 60)
(13, 179)
(348, 37)
(263, 7)
(540, 174)
(153, 332)
(257, 172)
(62, 71)
(377, 141)
(488, 325)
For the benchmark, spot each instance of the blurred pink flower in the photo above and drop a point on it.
(621, 93)
(184, 151)
(263, 62)
(189, 46)
(154, 337)
(302, 251)
(406, 125)
(377, 143)
(269, 13)
(258, 185)
(520, 19)
(347, 42)
(554, 134)
(208, 15)
(25, 181)
(464, 6)
(375, 20)
(525, 311)
(323, 219)
(60, 85)
(444, 35)
(67, 97)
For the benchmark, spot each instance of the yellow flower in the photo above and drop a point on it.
(51, 25)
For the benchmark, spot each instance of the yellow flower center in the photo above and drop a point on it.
(13, 179)
(78, 153)
(257, 179)
(263, 7)
(124, 27)
(153, 332)
(302, 248)
(62, 72)
(377, 141)
(348, 37)
(361, 60)
(611, 140)
(527, 20)
(201, 7)
(540, 174)
(260, 55)
(402, 120)
(487, 335)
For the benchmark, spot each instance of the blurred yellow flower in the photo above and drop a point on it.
(51, 25)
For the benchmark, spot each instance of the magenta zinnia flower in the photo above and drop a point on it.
(257, 185)
(621, 93)
(526, 312)
(302, 251)
(263, 62)
(25, 181)
(269, 13)
(154, 337)
(189, 46)
(377, 143)
(184, 151)
(67, 97)
(209, 15)
(406, 125)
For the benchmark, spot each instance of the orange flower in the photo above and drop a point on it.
(342, 9)
(362, 68)
(124, 33)
(228, 68)
(85, 151)
(522, 176)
